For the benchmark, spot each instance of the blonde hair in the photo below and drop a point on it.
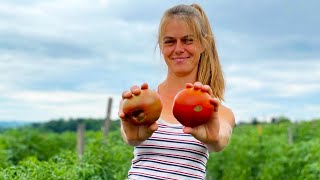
(209, 68)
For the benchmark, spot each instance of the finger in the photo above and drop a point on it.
(144, 86)
(153, 127)
(126, 123)
(135, 90)
(216, 103)
(126, 94)
(207, 88)
(121, 115)
(197, 85)
(189, 130)
(189, 85)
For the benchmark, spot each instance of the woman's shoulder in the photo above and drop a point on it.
(226, 112)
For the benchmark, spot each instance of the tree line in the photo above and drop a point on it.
(63, 125)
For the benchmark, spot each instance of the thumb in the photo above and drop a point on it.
(189, 130)
(153, 127)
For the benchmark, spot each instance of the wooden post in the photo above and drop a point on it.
(290, 139)
(260, 131)
(80, 139)
(314, 124)
(108, 118)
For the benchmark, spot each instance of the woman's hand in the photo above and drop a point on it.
(131, 133)
(210, 132)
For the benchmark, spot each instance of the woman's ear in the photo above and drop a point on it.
(160, 47)
(202, 49)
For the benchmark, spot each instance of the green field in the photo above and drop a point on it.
(260, 151)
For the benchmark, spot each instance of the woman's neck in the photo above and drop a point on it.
(167, 91)
(172, 85)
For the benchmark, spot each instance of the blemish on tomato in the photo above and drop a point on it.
(197, 108)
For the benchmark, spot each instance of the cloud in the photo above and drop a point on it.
(245, 109)
(47, 88)
(54, 104)
(71, 29)
(273, 88)
(266, 18)
(283, 78)
(19, 70)
(64, 58)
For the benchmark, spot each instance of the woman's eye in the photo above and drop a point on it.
(188, 41)
(168, 42)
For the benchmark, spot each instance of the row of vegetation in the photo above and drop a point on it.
(281, 150)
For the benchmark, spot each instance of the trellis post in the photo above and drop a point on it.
(107, 120)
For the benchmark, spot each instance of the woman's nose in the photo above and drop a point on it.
(179, 47)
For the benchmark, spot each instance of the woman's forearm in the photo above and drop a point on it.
(225, 133)
(129, 142)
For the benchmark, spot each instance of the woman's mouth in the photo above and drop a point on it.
(179, 59)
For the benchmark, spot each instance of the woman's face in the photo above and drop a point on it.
(180, 48)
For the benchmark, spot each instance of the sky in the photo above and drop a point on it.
(64, 59)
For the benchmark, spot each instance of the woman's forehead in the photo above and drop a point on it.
(176, 26)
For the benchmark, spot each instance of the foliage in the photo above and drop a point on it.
(268, 154)
(104, 158)
(280, 119)
(62, 125)
(18, 144)
(260, 151)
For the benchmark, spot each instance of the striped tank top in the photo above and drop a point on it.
(169, 154)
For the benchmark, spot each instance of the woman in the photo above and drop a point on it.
(166, 149)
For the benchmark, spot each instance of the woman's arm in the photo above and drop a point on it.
(132, 134)
(226, 122)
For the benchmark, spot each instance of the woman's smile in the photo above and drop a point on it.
(181, 49)
(180, 59)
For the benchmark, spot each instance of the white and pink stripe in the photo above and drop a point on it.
(169, 154)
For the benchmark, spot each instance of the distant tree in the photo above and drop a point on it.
(254, 121)
(283, 119)
(62, 125)
(280, 119)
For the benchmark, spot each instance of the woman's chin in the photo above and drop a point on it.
(182, 73)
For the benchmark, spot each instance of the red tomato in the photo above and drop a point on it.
(192, 107)
(143, 109)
